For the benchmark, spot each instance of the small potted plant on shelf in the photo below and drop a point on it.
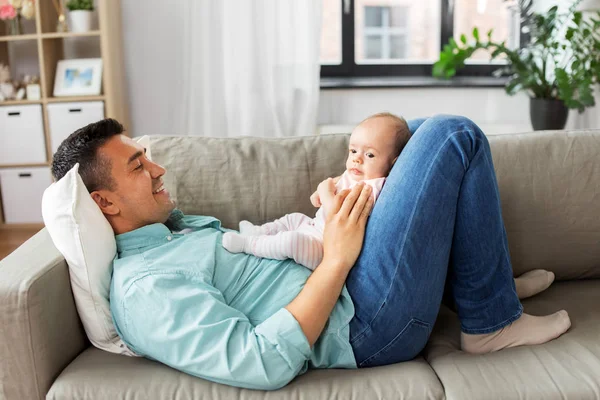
(558, 66)
(80, 15)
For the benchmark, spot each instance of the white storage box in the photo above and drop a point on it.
(66, 118)
(22, 135)
(22, 190)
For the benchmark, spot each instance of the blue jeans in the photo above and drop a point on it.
(438, 216)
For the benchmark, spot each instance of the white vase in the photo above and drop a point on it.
(80, 21)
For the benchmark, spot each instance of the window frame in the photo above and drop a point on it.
(349, 68)
(386, 31)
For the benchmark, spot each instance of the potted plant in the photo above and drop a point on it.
(558, 66)
(80, 15)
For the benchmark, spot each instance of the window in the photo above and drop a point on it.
(404, 37)
(384, 34)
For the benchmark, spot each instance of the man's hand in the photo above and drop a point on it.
(343, 239)
(345, 225)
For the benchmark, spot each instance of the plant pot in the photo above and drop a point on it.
(80, 21)
(547, 114)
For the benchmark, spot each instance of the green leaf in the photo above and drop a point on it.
(489, 34)
(476, 33)
(439, 69)
(497, 52)
(570, 33)
(463, 38)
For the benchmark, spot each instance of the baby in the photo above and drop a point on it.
(375, 145)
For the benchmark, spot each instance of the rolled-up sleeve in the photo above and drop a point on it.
(184, 322)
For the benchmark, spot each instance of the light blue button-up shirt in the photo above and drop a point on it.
(183, 300)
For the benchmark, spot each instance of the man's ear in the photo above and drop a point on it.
(106, 206)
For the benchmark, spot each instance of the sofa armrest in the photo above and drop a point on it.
(40, 331)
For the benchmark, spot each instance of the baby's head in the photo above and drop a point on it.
(375, 144)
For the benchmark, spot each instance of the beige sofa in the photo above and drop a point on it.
(550, 189)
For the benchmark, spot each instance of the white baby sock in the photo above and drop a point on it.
(247, 228)
(234, 242)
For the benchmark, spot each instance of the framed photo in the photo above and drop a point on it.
(78, 77)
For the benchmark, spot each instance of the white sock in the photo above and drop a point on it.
(527, 330)
(234, 242)
(533, 282)
(247, 228)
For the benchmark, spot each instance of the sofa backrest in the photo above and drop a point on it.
(549, 187)
(550, 192)
(255, 179)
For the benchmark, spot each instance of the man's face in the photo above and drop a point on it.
(139, 197)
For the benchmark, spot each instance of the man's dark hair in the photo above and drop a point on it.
(82, 147)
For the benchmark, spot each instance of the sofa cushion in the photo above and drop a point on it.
(255, 179)
(97, 374)
(565, 368)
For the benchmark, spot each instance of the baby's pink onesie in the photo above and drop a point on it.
(296, 235)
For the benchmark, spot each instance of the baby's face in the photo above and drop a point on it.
(371, 150)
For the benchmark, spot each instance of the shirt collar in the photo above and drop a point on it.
(149, 235)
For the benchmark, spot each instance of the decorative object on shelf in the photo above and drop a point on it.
(558, 66)
(61, 24)
(80, 15)
(33, 88)
(7, 89)
(11, 12)
(78, 77)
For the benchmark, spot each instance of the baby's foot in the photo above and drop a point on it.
(247, 228)
(527, 330)
(234, 242)
(533, 282)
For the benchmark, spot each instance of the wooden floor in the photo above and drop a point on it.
(12, 236)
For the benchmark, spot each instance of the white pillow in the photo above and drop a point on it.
(84, 237)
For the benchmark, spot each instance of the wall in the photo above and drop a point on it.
(491, 108)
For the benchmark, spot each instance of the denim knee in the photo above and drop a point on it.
(454, 123)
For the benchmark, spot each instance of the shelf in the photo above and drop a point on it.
(5, 226)
(24, 165)
(74, 98)
(11, 38)
(57, 35)
(19, 102)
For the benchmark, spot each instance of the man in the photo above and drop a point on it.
(178, 297)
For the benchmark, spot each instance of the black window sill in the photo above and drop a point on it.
(411, 82)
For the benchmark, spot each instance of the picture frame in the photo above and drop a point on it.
(78, 77)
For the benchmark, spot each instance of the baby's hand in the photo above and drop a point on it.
(315, 199)
(325, 191)
(327, 187)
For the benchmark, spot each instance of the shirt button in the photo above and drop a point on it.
(169, 238)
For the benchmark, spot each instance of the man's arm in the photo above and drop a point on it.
(343, 239)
